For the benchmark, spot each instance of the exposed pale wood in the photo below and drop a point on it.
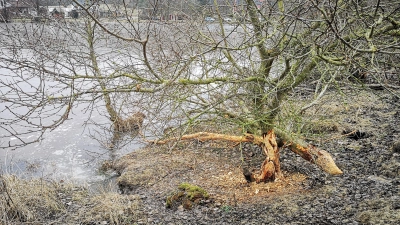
(205, 136)
(311, 153)
(271, 168)
(319, 157)
(308, 152)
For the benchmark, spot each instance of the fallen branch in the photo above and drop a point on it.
(311, 153)
(205, 136)
(317, 156)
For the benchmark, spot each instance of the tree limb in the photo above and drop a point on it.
(310, 153)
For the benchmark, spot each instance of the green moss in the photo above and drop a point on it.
(187, 196)
(193, 191)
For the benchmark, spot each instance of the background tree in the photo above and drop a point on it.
(226, 75)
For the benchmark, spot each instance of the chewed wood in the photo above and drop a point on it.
(310, 153)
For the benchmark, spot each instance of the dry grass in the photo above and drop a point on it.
(38, 201)
(113, 208)
(131, 124)
(333, 114)
(28, 200)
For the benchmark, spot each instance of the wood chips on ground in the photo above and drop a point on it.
(214, 166)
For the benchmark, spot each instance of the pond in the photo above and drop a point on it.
(68, 152)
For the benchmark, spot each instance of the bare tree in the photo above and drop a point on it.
(233, 74)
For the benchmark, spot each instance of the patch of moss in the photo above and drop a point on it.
(187, 196)
(193, 191)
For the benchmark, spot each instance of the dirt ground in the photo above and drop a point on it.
(367, 193)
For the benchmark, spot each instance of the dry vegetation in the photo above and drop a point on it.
(337, 114)
(38, 201)
(28, 200)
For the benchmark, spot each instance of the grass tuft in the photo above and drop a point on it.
(28, 200)
(114, 208)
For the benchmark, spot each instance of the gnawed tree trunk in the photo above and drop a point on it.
(270, 169)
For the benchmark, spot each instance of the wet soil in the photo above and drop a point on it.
(367, 193)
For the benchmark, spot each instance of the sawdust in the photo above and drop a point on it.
(217, 169)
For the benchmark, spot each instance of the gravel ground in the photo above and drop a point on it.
(367, 193)
(363, 195)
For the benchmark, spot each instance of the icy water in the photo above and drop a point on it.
(66, 153)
